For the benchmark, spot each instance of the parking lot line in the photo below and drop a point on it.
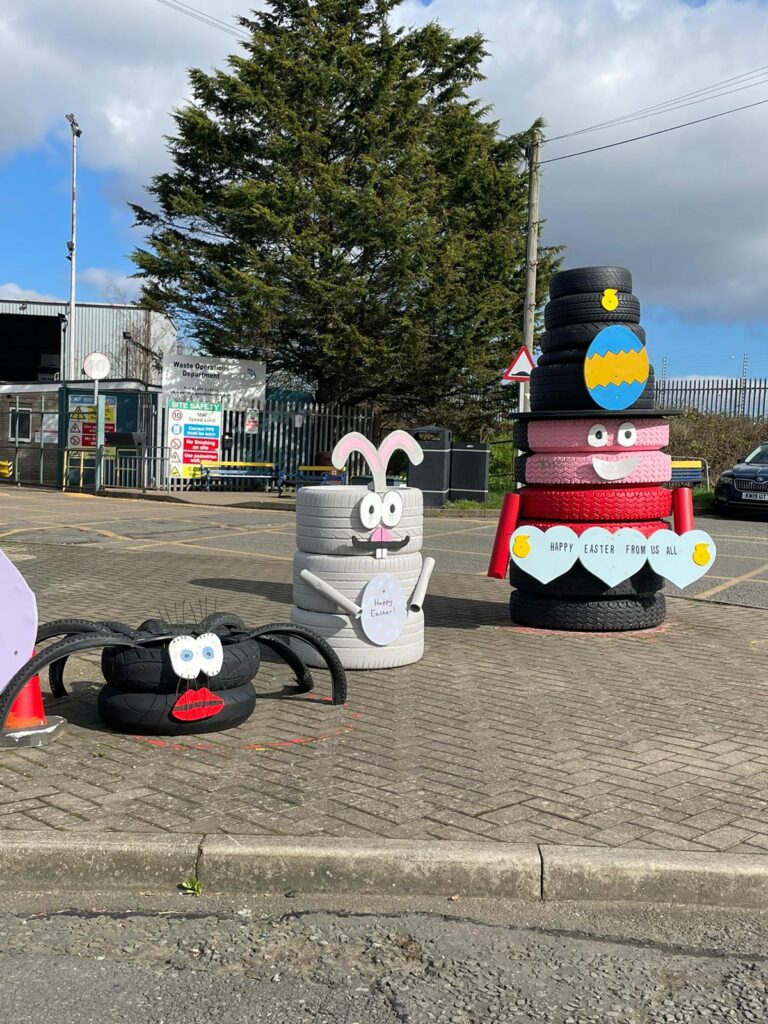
(731, 583)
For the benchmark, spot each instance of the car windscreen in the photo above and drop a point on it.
(759, 456)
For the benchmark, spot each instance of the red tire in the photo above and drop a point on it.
(647, 527)
(596, 503)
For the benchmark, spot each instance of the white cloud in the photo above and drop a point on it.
(685, 211)
(16, 292)
(113, 285)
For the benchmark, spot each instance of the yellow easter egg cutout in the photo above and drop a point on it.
(610, 299)
(522, 546)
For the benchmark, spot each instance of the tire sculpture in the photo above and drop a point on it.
(359, 579)
(590, 520)
(171, 679)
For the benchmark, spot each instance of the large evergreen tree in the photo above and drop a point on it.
(340, 207)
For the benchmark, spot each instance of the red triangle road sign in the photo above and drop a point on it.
(520, 367)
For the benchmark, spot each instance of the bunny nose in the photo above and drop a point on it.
(381, 535)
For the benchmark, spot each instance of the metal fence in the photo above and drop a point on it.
(288, 435)
(726, 395)
(29, 439)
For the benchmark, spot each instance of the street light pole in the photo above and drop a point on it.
(68, 370)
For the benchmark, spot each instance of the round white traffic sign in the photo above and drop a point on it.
(96, 366)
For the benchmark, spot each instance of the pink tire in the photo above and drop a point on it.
(571, 435)
(595, 503)
(596, 470)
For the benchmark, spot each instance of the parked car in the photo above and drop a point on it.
(746, 485)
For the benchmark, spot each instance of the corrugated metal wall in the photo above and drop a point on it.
(101, 328)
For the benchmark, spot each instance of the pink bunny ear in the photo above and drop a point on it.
(355, 442)
(403, 441)
(18, 621)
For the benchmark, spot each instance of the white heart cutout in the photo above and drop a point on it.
(544, 554)
(613, 557)
(681, 558)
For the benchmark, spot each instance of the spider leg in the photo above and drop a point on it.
(304, 680)
(75, 627)
(216, 620)
(61, 649)
(326, 652)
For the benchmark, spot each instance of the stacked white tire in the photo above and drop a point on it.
(327, 520)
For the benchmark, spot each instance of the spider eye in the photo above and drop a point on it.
(211, 654)
(185, 657)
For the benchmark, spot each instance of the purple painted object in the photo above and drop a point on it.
(18, 621)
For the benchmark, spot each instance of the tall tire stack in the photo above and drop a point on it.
(329, 535)
(585, 465)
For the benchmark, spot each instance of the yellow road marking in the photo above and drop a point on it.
(732, 583)
(239, 531)
(229, 551)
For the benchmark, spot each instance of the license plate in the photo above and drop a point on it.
(754, 496)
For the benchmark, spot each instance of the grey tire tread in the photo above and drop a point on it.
(349, 575)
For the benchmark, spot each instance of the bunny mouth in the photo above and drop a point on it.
(378, 545)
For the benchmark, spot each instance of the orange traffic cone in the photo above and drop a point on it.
(27, 725)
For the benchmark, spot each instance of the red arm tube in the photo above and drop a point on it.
(510, 512)
(682, 509)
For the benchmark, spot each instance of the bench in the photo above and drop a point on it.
(690, 471)
(236, 471)
(6, 468)
(320, 475)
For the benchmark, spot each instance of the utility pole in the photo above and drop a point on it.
(68, 370)
(533, 154)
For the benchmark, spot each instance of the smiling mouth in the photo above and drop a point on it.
(377, 545)
(193, 705)
(614, 469)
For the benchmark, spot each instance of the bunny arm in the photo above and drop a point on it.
(420, 590)
(331, 593)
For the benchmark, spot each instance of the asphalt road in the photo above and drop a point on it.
(294, 960)
(459, 545)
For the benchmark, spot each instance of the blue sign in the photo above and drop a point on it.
(200, 430)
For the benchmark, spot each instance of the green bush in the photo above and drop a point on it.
(717, 438)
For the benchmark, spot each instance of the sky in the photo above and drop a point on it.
(686, 210)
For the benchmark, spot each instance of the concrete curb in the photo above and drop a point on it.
(68, 862)
(236, 863)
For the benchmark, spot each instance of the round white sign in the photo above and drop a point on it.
(384, 609)
(96, 366)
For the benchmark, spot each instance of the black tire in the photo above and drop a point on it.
(563, 387)
(611, 615)
(565, 357)
(148, 669)
(578, 582)
(580, 336)
(520, 436)
(518, 469)
(588, 308)
(582, 280)
(152, 713)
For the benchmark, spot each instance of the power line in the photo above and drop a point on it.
(660, 107)
(665, 110)
(649, 135)
(205, 19)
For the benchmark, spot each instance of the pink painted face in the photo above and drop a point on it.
(609, 435)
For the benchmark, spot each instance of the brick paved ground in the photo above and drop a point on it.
(500, 734)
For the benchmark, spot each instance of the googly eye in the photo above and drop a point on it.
(392, 508)
(185, 657)
(371, 510)
(597, 436)
(627, 435)
(211, 654)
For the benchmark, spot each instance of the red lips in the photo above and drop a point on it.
(193, 705)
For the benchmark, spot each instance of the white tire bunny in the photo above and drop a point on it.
(359, 578)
